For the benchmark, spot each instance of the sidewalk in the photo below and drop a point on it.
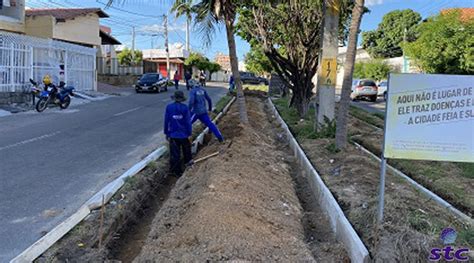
(105, 88)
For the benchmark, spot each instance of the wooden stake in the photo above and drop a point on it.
(101, 224)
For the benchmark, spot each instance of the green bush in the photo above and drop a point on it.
(375, 69)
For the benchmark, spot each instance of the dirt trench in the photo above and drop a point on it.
(242, 204)
(249, 203)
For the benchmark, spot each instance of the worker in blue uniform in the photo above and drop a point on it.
(199, 109)
(178, 130)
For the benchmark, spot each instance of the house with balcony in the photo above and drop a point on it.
(155, 60)
(59, 42)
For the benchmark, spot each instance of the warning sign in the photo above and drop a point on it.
(430, 117)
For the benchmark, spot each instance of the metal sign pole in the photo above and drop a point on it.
(380, 206)
(383, 165)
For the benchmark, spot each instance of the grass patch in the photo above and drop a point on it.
(375, 119)
(263, 88)
(332, 148)
(222, 103)
(304, 128)
(467, 170)
(466, 236)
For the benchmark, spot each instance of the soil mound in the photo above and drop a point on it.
(240, 205)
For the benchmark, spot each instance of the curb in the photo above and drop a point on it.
(110, 189)
(44, 243)
(40, 246)
(339, 223)
(460, 215)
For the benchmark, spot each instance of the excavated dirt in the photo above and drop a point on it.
(412, 222)
(242, 204)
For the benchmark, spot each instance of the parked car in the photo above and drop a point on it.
(382, 89)
(364, 88)
(250, 78)
(151, 82)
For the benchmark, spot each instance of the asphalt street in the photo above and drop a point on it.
(372, 107)
(52, 162)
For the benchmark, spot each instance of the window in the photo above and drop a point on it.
(367, 83)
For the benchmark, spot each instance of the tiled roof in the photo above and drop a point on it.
(65, 13)
(465, 13)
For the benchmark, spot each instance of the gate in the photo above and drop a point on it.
(24, 57)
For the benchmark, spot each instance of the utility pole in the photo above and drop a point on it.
(405, 68)
(167, 48)
(133, 43)
(327, 72)
(187, 34)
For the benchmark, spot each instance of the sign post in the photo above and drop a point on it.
(427, 117)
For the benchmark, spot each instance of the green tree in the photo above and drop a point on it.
(445, 45)
(256, 61)
(209, 14)
(295, 28)
(197, 60)
(289, 34)
(375, 69)
(127, 57)
(213, 67)
(184, 8)
(201, 62)
(386, 40)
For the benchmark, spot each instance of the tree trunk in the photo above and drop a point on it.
(341, 122)
(234, 64)
(302, 91)
(300, 100)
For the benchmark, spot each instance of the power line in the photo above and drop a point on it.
(125, 11)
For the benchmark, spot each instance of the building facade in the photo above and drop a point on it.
(177, 55)
(223, 61)
(12, 16)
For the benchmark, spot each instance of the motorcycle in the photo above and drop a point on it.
(60, 95)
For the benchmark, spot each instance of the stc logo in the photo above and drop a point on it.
(448, 236)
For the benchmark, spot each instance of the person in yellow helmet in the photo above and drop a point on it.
(48, 83)
(46, 80)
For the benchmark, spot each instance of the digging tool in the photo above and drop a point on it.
(192, 162)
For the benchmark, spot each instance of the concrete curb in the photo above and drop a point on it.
(109, 190)
(40, 246)
(200, 138)
(458, 214)
(339, 223)
(44, 243)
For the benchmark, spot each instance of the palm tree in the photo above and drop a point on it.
(184, 8)
(341, 122)
(209, 14)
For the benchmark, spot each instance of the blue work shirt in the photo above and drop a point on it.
(177, 121)
(197, 101)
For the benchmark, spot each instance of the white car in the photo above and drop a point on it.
(364, 88)
(382, 89)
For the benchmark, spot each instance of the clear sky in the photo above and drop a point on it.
(146, 17)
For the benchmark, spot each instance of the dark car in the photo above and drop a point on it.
(250, 78)
(151, 82)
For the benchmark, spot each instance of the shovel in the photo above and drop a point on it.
(192, 162)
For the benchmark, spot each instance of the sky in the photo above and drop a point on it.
(147, 18)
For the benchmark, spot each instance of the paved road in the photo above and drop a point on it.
(372, 107)
(51, 163)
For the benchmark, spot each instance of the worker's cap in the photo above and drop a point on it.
(178, 96)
